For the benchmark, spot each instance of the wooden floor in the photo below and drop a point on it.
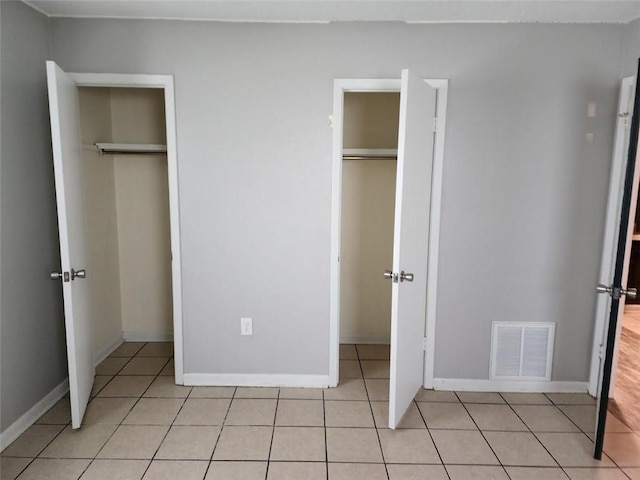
(626, 405)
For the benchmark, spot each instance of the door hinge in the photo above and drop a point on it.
(424, 344)
(601, 351)
(435, 124)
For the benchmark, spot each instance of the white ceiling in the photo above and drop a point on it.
(309, 11)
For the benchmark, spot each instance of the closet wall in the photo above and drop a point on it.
(143, 215)
(127, 208)
(368, 200)
(103, 264)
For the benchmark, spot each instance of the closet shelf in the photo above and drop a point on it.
(364, 153)
(131, 148)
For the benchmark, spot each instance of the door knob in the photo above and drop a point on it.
(64, 276)
(78, 274)
(406, 276)
(389, 275)
(616, 292)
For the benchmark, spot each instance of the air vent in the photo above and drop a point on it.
(522, 351)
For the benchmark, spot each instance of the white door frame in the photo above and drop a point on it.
(164, 82)
(340, 87)
(612, 226)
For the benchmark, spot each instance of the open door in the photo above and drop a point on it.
(627, 91)
(615, 289)
(65, 139)
(410, 242)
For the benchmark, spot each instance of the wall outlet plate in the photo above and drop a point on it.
(246, 326)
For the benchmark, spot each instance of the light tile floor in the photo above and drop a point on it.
(139, 425)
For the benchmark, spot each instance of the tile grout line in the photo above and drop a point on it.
(534, 433)
(131, 409)
(114, 375)
(482, 433)
(581, 430)
(91, 460)
(26, 466)
(224, 421)
(37, 455)
(118, 425)
(534, 436)
(215, 445)
(184, 400)
(373, 418)
(273, 434)
(326, 442)
(432, 440)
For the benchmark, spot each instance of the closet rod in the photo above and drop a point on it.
(369, 153)
(368, 157)
(131, 148)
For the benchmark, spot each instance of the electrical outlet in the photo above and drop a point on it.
(246, 326)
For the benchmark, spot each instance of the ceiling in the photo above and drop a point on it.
(324, 11)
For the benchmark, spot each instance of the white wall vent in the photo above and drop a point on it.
(522, 350)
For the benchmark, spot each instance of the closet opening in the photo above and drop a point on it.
(395, 126)
(128, 226)
(370, 143)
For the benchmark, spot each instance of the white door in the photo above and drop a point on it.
(611, 230)
(614, 287)
(410, 242)
(65, 137)
(627, 90)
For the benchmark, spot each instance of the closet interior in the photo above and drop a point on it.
(370, 142)
(127, 215)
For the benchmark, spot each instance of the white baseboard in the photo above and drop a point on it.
(17, 428)
(511, 386)
(107, 350)
(364, 339)
(147, 337)
(255, 380)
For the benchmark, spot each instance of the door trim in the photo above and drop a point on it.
(164, 82)
(609, 247)
(340, 87)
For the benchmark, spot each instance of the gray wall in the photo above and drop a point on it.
(524, 192)
(631, 48)
(33, 359)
